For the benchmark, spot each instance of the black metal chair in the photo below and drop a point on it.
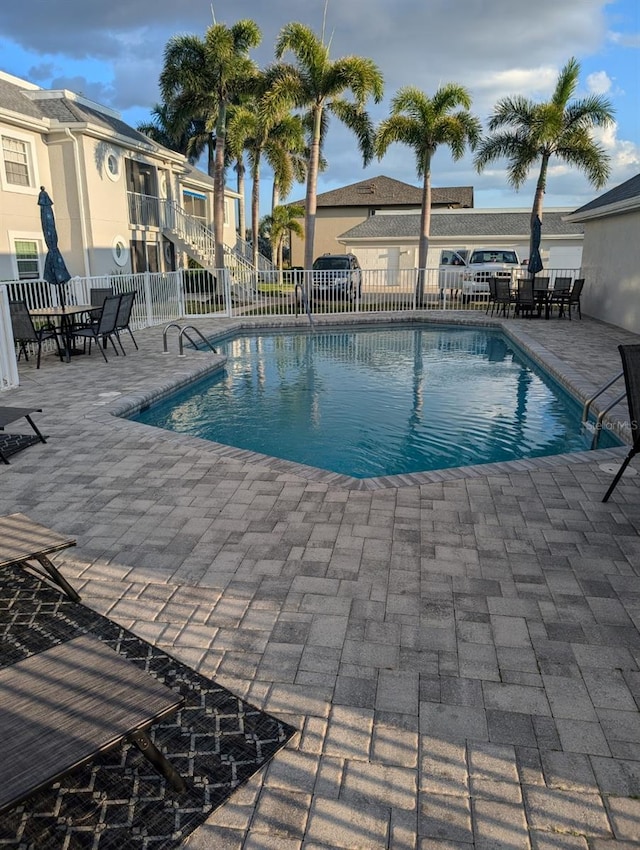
(574, 296)
(630, 355)
(124, 317)
(525, 301)
(504, 298)
(25, 332)
(97, 296)
(559, 296)
(104, 328)
(491, 301)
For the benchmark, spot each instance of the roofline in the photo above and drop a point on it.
(19, 81)
(59, 94)
(504, 237)
(604, 210)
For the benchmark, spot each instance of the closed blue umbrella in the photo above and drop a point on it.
(535, 260)
(55, 270)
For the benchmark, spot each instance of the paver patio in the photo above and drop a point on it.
(461, 652)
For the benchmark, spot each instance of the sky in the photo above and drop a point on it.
(113, 52)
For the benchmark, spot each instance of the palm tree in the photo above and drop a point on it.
(424, 123)
(163, 128)
(525, 132)
(203, 76)
(315, 82)
(263, 132)
(283, 220)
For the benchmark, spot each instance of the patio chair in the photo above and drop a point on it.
(63, 706)
(525, 301)
(25, 332)
(11, 414)
(97, 295)
(104, 328)
(630, 355)
(491, 301)
(124, 317)
(560, 294)
(504, 298)
(574, 296)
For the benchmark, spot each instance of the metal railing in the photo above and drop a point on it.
(165, 297)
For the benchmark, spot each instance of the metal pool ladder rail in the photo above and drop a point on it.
(183, 332)
(304, 301)
(597, 428)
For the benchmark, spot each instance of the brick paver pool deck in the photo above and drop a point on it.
(460, 652)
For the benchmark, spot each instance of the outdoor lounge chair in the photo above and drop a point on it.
(27, 545)
(104, 328)
(124, 317)
(630, 355)
(12, 414)
(61, 707)
(25, 332)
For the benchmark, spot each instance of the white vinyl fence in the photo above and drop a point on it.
(200, 293)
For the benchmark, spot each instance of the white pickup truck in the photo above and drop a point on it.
(469, 271)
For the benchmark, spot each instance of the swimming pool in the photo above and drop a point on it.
(379, 401)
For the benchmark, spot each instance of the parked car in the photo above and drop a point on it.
(336, 276)
(452, 265)
(489, 262)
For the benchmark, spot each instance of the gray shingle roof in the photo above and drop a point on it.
(12, 97)
(624, 192)
(66, 111)
(462, 224)
(385, 191)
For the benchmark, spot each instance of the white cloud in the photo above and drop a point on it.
(599, 82)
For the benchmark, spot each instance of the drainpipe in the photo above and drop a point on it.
(83, 227)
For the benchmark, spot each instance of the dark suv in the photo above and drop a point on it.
(336, 276)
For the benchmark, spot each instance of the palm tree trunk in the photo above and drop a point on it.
(255, 209)
(425, 229)
(218, 186)
(538, 198)
(242, 216)
(275, 195)
(312, 188)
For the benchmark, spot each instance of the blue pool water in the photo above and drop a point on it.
(383, 401)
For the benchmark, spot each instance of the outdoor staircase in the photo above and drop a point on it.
(198, 242)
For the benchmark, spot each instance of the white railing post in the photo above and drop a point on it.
(226, 278)
(180, 286)
(148, 303)
(8, 362)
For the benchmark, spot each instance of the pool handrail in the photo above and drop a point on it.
(183, 329)
(304, 300)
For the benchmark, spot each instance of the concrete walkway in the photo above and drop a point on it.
(461, 653)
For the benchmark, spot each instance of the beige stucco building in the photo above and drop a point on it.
(342, 209)
(378, 220)
(122, 202)
(611, 256)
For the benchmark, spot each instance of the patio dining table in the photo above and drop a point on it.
(63, 319)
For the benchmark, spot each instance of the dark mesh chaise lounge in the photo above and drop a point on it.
(12, 414)
(630, 355)
(61, 707)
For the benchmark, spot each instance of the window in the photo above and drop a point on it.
(195, 205)
(120, 251)
(18, 172)
(112, 163)
(27, 259)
